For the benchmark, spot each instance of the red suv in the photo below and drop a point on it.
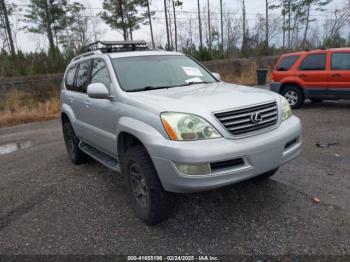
(316, 75)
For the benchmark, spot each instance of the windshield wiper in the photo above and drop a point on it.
(197, 82)
(148, 88)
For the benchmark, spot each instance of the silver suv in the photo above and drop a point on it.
(169, 125)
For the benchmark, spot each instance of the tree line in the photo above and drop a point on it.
(217, 31)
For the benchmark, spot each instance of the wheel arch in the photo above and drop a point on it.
(295, 84)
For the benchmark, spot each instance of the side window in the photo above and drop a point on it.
(69, 81)
(341, 61)
(287, 62)
(83, 76)
(99, 73)
(314, 62)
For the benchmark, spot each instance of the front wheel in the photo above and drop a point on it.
(150, 201)
(294, 96)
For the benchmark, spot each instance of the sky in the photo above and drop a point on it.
(31, 42)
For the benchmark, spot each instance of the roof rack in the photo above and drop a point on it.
(116, 46)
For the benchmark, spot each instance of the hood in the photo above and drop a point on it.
(198, 98)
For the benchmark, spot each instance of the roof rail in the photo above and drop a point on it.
(86, 54)
(116, 46)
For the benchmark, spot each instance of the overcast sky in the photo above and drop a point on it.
(31, 42)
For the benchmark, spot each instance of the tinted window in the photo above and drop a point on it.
(287, 62)
(341, 61)
(99, 73)
(83, 76)
(314, 62)
(69, 81)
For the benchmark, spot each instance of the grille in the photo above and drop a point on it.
(242, 122)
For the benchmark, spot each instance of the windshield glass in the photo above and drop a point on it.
(159, 71)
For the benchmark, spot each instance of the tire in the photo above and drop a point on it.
(316, 100)
(268, 174)
(151, 203)
(76, 156)
(294, 96)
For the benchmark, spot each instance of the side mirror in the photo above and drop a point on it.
(97, 91)
(217, 76)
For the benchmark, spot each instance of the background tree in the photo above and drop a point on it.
(46, 17)
(307, 4)
(6, 26)
(200, 25)
(123, 15)
(77, 32)
(150, 22)
(167, 25)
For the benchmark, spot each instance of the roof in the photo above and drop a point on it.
(317, 51)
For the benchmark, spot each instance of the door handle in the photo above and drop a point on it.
(301, 75)
(336, 75)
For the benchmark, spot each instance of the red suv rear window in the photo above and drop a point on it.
(287, 62)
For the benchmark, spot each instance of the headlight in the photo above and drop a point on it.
(286, 111)
(180, 126)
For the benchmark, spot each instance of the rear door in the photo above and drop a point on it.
(339, 75)
(312, 72)
(81, 82)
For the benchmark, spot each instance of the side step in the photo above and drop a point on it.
(100, 156)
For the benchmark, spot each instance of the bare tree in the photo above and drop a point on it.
(4, 16)
(166, 24)
(150, 22)
(209, 27)
(244, 30)
(222, 29)
(200, 25)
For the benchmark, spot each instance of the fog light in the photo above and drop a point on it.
(193, 169)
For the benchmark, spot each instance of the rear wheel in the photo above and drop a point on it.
(72, 143)
(150, 201)
(294, 96)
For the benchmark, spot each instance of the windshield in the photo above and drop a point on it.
(159, 71)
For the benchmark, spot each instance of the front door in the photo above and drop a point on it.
(339, 75)
(101, 115)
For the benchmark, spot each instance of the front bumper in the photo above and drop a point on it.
(261, 153)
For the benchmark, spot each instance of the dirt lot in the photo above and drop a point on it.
(49, 206)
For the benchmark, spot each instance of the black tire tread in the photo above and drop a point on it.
(79, 156)
(159, 198)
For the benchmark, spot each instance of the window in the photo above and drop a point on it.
(158, 71)
(287, 62)
(314, 62)
(83, 76)
(99, 73)
(69, 81)
(341, 61)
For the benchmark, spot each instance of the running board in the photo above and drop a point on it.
(100, 156)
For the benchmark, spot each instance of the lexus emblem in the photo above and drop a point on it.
(256, 118)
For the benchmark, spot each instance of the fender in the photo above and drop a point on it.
(147, 134)
(66, 109)
(292, 80)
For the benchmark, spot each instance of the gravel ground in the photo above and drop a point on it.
(49, 206)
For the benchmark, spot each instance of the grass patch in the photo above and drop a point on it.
(23, 107)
